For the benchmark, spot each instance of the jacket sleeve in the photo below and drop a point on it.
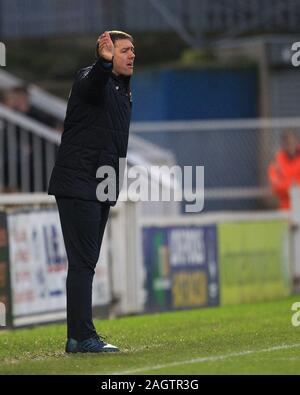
(279, 183)
(93, 79)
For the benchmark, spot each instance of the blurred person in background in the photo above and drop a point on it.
(17, 99)
(95, 134)
(284, 170)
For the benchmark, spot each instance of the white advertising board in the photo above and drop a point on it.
(38, 265)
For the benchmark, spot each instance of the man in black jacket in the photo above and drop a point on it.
(95, 134)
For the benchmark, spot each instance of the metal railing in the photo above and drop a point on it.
(28, 152)
(234, 153)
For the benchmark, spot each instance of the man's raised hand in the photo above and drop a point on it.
(105, 47)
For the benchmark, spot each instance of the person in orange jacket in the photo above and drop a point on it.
(284, 170)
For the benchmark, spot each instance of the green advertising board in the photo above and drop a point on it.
(254, 261)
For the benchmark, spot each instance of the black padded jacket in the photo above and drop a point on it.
(95, 132)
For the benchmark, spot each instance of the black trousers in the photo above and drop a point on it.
(83, 223)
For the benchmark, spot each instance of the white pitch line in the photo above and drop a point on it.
(206, 359)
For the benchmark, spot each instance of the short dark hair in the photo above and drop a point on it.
(286, 134)
(115, 35)
(119, 35)
(20, 89)
(14, 89)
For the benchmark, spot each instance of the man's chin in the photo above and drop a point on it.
(127, 73)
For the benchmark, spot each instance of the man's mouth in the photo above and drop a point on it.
(130, 65)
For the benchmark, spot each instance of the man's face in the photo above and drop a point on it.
(17, 100)
(290, 144)
(123, 57)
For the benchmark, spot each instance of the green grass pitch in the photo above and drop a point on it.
(246, 339)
